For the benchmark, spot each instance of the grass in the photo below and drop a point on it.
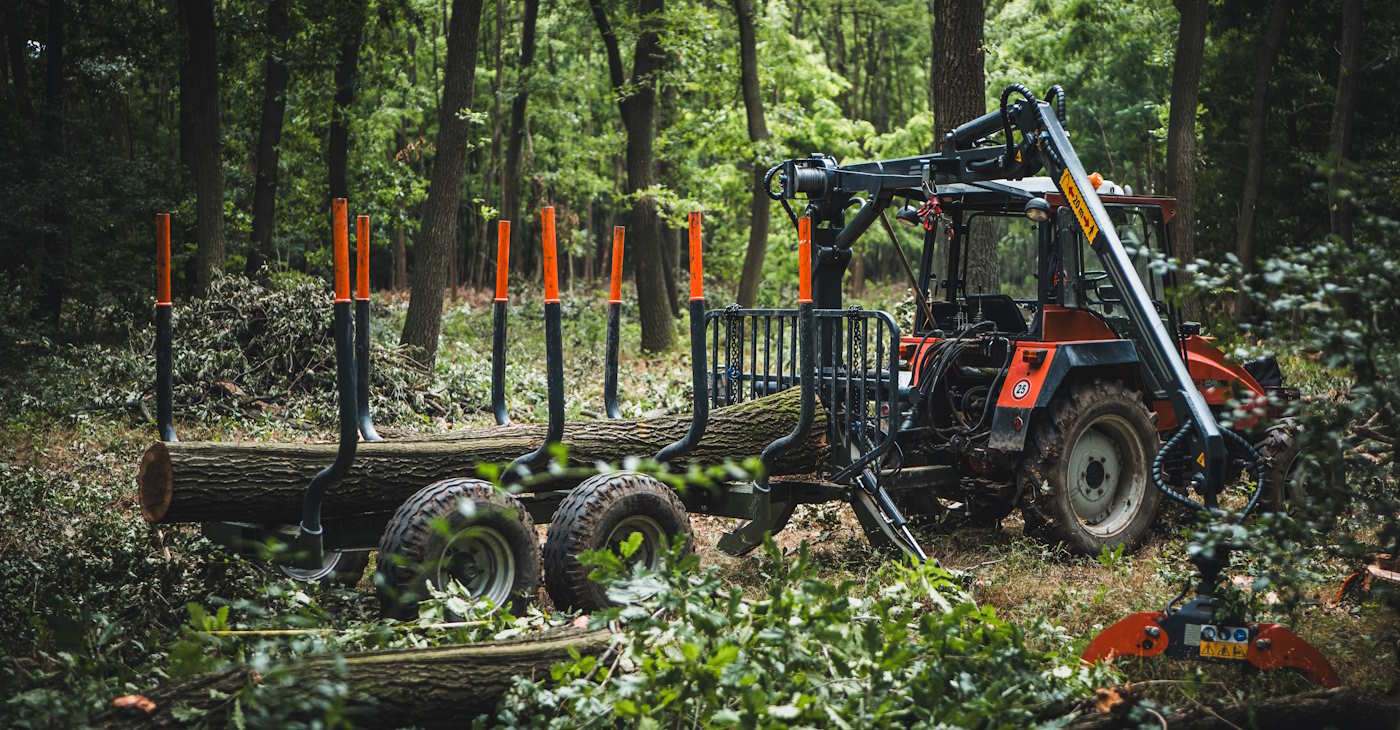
(98, 597)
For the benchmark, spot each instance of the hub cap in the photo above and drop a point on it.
(481, 560)
(329, 560)
(653, 538)
(1106, 475)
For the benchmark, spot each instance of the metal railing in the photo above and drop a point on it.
(753, 353)
(859, 389)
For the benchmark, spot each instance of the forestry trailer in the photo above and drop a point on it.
(1072, 391)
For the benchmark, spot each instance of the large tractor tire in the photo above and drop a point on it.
(1284, 481)
(462, 529)
(1086, 472)
(600, 514)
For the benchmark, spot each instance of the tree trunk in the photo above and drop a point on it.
(200, 136)
(16, 45)
(510, 181)
(1254, 164)
(438, 232)
(192, 481)
(1343, 114)
(1181, 131)
(439, 687)
(400, 260)
(758, 132)
(53, 272)
(274, 106)
(350, 27)
(958, 93)
(637, 105)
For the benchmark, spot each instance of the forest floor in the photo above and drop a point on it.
(97, 599)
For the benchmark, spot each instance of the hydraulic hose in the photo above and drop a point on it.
(1179, 438)
(1006, 117)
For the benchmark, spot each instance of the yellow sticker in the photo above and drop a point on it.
(1080, 208)
(1201, 459)
(1224, 650)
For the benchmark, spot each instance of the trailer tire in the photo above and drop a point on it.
(1086, 471)
(600, 513)
(492, 548)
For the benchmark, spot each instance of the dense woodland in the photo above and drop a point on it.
(1268, 120)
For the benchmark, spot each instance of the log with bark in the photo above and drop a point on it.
(194, 481)
(444, 686)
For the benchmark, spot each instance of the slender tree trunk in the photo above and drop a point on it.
(752, 271)
(274, 106)
(200, 136)
(510, 181)
(400, 261)
(1343, 115)
(1181, 130)
(1254, 165)
(15, 46)
(958, 91)
(350, 26)
(53, 272)
(438, 233)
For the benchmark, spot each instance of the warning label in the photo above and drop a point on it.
(1080, 208)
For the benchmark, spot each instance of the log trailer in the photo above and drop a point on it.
(1080, 398)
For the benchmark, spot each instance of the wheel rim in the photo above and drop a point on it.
(1106, 475)
(481, 560)
(653, 537)
(329, 561)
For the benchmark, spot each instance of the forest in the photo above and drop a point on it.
(1254, 174)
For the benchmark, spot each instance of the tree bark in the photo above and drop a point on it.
(515, 145)
(1343, 115)
(351, 27)
(438, 233)
(752, 271)
(637, 106)
(1181, 130)
(193, 481)
(1254, 164)
(200, 136)
(438, 687)
(53, 272)
(16, 46)
(274, 106)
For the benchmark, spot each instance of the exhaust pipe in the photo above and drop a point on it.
(700, 416)
(614, 323)
(553, 351)
(164, 419)
(806, 323)
(498, 324)
(362, 328)
(310, 548)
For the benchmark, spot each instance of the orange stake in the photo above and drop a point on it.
(615, 291)
(162, 259)
(551, 257)
(502, 259)
(697, 264)
(341, 235)
(362, 257)
(804, 259)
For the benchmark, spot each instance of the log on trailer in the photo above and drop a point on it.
(194, 481)
(443, 686)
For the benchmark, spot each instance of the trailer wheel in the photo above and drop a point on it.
(342, 568)
(601, 513)
(463, 529)
(1085, 473)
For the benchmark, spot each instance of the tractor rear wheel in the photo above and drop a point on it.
(1085, 474)
(464, 530)
(600, 514)
(1285, 484)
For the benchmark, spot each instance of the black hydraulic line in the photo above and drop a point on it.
(362, 370)
(1057, 93)
(164, 337)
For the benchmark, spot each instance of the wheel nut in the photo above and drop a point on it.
(1263, 644)
(1153, 631)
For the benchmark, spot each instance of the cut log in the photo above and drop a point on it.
(444, 686)
(200, 481)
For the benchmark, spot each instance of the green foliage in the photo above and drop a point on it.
(905, 648)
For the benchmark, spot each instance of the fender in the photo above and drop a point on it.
(1037, 371)
(1219, 381)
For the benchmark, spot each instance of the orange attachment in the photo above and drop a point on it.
(1275, 647)
(1138, 634)
(551, 257)
(804, 259)
(1096, 180)
(615, 291)
(697, 263)
(362, 257)
(341, 235)
(502, 258)
(162, 259)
